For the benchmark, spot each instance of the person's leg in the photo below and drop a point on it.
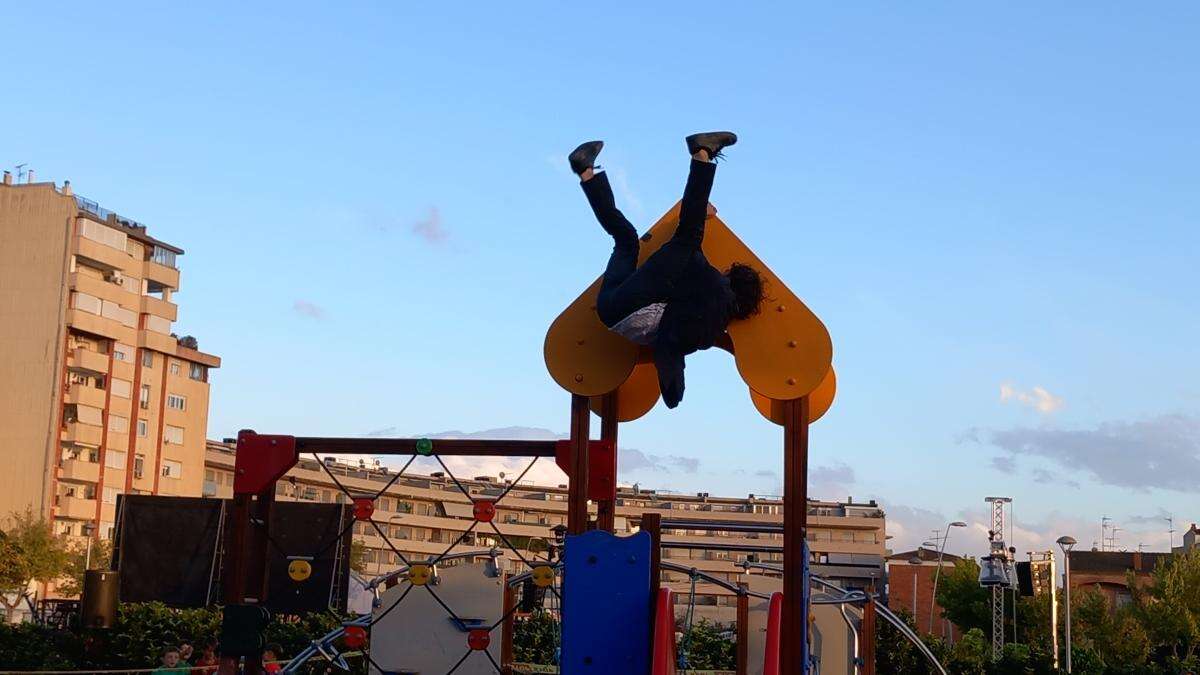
(623, 262)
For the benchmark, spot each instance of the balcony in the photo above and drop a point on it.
(77, 508)
(99, 325)
(105, 290)
(85, 395)
(167, 276)
(158, 307)
(88, 361)
(148, 339)
(82, 434)
(107, 256)
(79, 471)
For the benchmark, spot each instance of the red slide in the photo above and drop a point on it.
(664, 634)
(774, 632)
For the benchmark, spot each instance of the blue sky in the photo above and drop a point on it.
(993, 209)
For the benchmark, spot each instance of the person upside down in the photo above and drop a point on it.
(676, 302)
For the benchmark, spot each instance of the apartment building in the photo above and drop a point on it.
(424, 514)
(99, 397)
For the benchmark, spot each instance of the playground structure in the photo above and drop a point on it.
(601, 581)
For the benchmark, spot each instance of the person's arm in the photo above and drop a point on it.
(668, 360)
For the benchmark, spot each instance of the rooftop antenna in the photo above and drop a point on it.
(1171, 529)
(1104, 524)
(21, 172)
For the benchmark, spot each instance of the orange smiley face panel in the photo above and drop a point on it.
(784, 352)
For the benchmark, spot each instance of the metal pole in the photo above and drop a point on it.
(743, 630)
(1067, 567)
(1053, 611)
(936, 575)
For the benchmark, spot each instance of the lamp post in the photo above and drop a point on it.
(915, 561)
(938, 572)
(1066, 543)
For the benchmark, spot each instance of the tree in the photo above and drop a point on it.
(29, 551)
(358, 556)
(1168, 607)
(964, 602)
(80, 559)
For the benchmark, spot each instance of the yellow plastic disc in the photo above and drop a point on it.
(418, 575)
(543, 576)
(299, 570)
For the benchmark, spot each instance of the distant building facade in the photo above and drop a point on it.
(911, 577)
(424, 514)
(99, 397)
(1107, 571)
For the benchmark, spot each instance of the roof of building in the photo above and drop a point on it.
(1116, 561)
(926, 555)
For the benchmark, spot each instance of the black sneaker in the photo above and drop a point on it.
(712, 141)
(584, 157)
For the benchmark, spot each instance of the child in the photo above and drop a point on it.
(170, 662)
(271, 655)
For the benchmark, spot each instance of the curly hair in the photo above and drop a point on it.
(748, 292)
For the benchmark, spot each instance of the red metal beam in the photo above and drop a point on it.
(743, 630)
(470, 447)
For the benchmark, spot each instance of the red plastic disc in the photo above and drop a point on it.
(356, 636)
(364, 507)
(484, 510)
(479, 639)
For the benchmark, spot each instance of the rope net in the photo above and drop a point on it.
(420, 576)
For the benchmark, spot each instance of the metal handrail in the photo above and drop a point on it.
(692, 571)
(374, 583)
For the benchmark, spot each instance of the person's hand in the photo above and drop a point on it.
(712, 210)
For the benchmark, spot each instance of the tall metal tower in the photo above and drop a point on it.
(1002, 563)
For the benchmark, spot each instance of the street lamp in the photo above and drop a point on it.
(1066, 543)
(938, 572)
(915, 561)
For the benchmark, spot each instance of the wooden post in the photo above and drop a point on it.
(245, 578)
(652, 523)
(506, 630)
(795, 529)
(743, 630)
(606, 509)
(577, 492)
(867, 638)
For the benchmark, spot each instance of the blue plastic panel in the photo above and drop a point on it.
(606, 604)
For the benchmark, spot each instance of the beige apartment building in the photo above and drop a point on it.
(97, 396)
(424, 514)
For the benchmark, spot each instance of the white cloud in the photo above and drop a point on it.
(1037, 398)
(310, 309)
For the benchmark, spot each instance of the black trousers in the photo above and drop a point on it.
(626, 287)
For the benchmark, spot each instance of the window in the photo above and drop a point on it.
(139, 465)
(174, 367)
(107, 530)
(110, 495)
(122, 352)
(163, 256)
(176, 402)
(144, 397)
(147, 358)
(171, 469)
(143, 428)
(198, 372)
(118, 423)
(121, 387)
(173, 435)
(209, 474)
(115, 459)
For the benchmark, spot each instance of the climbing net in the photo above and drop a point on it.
(421, 575)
